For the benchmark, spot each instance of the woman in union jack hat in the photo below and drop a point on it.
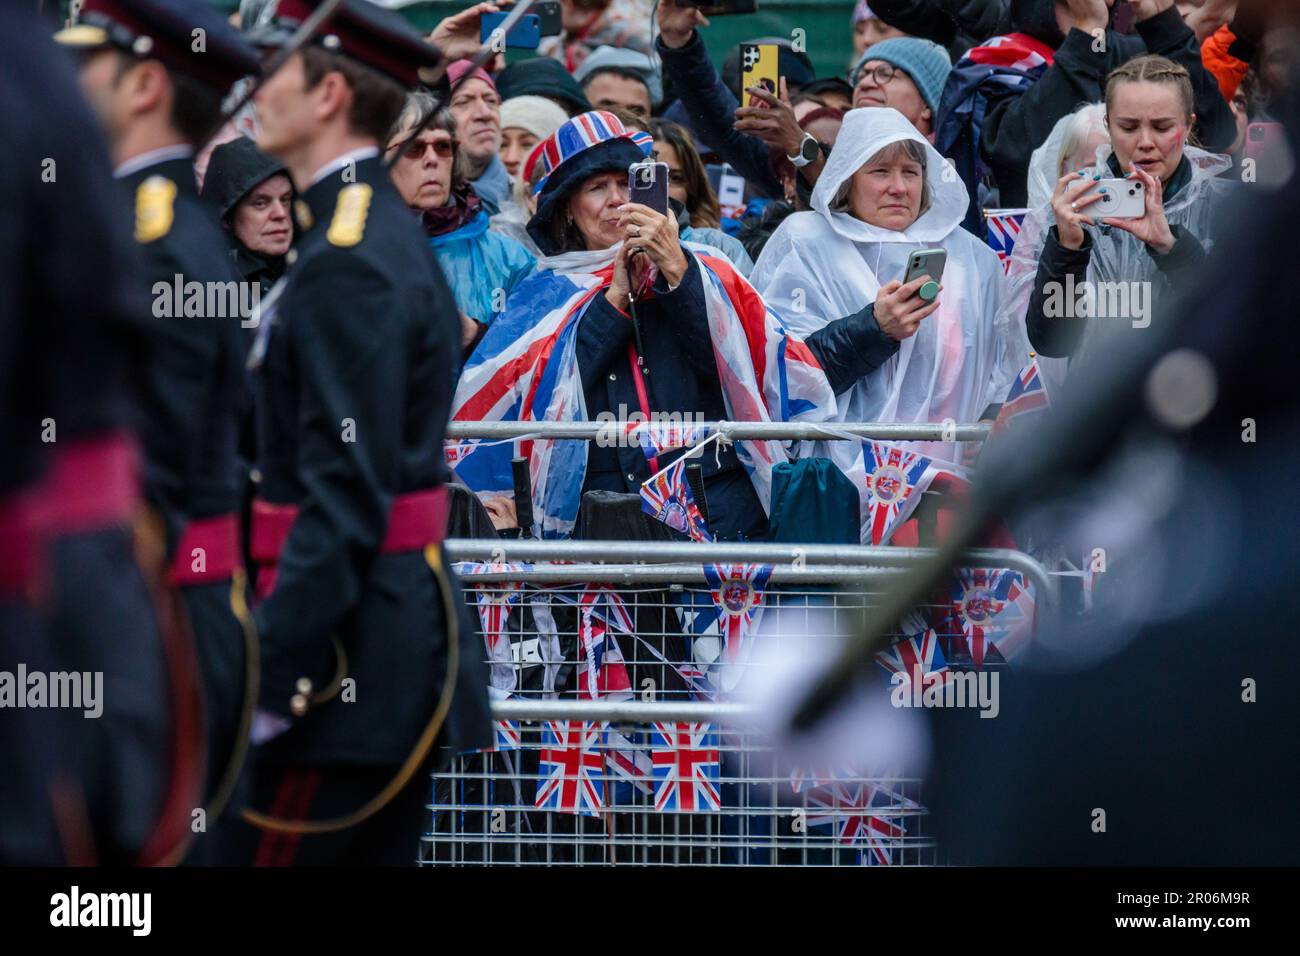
(623, 319)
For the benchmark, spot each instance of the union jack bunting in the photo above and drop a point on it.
(686, 767)
(570, 768)
(978, 596)
(1016, 617)
(494, 602)
(895, 480)
(1027, 394)
(604, 674)
(656, 437)
(853, 811)
(1002, 228)
(738, 591)
(666, 496)
(917, 659)
(629, 765)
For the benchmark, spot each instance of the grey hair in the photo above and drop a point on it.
(908, 149)
(420, 104)
(1089, 118)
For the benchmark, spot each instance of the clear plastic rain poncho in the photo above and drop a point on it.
(821, 266)
(1116, 255)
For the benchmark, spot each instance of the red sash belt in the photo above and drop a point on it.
(416, 519)
(217, 541)
(91, 484)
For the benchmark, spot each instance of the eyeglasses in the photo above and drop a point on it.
(415, 150)
(882, 74)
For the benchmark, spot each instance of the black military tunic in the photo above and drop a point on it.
(353, 397)
(68, 282)
(191, 386)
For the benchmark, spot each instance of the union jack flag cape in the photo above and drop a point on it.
(525, 369)
(1003, 228)
(1015, 61)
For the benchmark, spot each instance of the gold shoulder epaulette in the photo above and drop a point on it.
(349, 222)
(154, 208)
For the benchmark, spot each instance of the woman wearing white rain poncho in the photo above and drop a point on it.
(1075, 275)
(882, 195)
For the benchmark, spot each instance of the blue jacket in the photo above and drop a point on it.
(477, 262)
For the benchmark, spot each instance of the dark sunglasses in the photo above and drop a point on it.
(442, 148)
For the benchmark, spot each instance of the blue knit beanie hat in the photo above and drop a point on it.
(925, 62)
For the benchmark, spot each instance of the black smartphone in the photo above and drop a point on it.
(647, 184)
(718, 8)
(551, 17)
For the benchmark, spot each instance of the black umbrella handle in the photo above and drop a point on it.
(523, 496)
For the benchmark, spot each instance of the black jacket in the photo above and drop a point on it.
(1058, 335)
(1018, 122)
(955, 24)
(681, 375)
(353, 398)
(712, 109)
(191, 382)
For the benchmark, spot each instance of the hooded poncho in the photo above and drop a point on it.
(820, 266)
(1116, 255)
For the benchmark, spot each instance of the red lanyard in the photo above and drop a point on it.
(642, 397)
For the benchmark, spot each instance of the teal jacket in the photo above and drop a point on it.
(477, 262)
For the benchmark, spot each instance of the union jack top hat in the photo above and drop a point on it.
(575, 137)
(587, 145)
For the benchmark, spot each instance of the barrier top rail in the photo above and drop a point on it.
(777, 431)
(636, 560)
(626, 711)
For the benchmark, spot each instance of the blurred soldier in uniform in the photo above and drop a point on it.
(1161, 731)
(359, 617)
(77, 789)
(155, 72)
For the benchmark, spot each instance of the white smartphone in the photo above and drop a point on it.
(926, 262)
(1120, 199)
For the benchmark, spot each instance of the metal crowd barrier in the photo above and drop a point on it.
(666, 768)
(778, 431)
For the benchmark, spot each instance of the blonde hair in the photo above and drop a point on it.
(1152, 69)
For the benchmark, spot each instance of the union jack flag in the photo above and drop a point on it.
(666, 496)
(1002, 228)
(506, 736)
(895, 480)
(1027, 394)
(738, 591)
(854, 812)
(686, 767)
(570, 768)
(917, 659)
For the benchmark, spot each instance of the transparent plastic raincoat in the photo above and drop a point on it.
(820, 266)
